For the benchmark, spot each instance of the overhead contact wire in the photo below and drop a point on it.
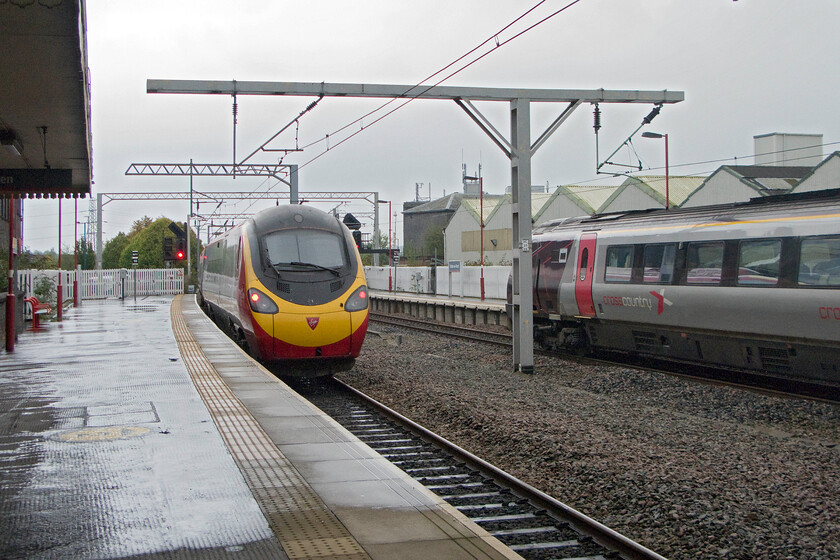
(498, 45)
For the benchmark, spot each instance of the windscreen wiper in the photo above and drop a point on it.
(310, 265)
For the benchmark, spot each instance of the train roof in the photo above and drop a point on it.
(782, 203)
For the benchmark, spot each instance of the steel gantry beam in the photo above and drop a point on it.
(518, 148)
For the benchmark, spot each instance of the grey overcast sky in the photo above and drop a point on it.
(747, 67)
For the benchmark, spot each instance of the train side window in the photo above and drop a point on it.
(758, 262)
(703, 263)
(819, 261)
(619, 263)
(659, 263)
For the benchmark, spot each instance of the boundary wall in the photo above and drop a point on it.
(440, 280)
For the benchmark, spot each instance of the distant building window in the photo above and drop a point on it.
(619, 263)
(758, 262)
(703, 263)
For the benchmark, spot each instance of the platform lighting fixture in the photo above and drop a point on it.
(11, 143)
(665, 136)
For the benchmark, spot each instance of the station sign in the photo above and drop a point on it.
(454, 266)
(19, 183)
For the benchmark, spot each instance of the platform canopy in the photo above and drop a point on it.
(45, 89)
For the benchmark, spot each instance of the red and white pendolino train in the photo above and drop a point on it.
(289, 286)
(751, 285)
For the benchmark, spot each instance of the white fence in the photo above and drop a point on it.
(99, 284)
(464, 282)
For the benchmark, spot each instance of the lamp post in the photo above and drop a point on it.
(59, 296)
(665, 136)
(10, 296)
(481, 228)
(390, 253)
(76, 252)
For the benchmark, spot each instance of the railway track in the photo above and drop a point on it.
(467, 333)
(751, 380)
(530, 522)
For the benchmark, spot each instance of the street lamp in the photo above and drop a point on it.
(481, 227)
(665, 136)
(390, 252)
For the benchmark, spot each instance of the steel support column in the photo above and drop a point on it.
(523, 295)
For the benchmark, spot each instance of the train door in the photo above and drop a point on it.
(549, 265)
(584, 274)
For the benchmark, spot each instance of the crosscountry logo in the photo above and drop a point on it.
(661, 300)
(312, 322)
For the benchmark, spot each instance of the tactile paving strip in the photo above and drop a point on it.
(303, 524)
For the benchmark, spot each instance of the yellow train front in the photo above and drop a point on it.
(289, 286)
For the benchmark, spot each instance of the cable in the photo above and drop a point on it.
(491, 38)
(494, 38)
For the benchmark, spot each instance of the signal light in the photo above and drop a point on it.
(180, 255)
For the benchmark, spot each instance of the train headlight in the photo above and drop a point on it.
(358, 301)
(261, 303)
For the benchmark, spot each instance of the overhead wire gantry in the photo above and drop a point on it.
(518, 148)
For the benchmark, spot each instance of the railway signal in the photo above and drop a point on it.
(168, 249)
(180, 252)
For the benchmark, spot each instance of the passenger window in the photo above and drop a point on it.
(659, 263)
(703, 263)
(619, 263)
(758, 262)
(820, 261)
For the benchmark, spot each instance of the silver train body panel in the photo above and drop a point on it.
(771, 314)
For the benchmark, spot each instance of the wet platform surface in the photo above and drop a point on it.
(110, 447)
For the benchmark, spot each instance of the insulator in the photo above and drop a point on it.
(652, 114)
(597, 113)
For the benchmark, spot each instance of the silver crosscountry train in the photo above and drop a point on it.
(752, 285)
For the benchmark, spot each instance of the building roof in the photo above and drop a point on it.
(46, 84)
(816, 168)
(590, 198)
(448, 203)
(679, 186)
(490, 203)
(763, 179)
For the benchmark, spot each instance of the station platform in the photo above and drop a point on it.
(449, 309)
(139, 430)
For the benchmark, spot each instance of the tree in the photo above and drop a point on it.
(149, 246)
(113, 249)
(140, 225)
(86, 256)
(29, 260)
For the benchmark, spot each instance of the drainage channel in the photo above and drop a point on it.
(526, 523)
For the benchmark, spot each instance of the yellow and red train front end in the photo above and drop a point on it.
(300, 332)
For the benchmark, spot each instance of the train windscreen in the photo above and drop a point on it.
(319, 248)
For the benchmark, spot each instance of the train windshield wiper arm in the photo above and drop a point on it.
(310, 265)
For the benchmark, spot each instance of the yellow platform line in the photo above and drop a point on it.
(303, 524)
